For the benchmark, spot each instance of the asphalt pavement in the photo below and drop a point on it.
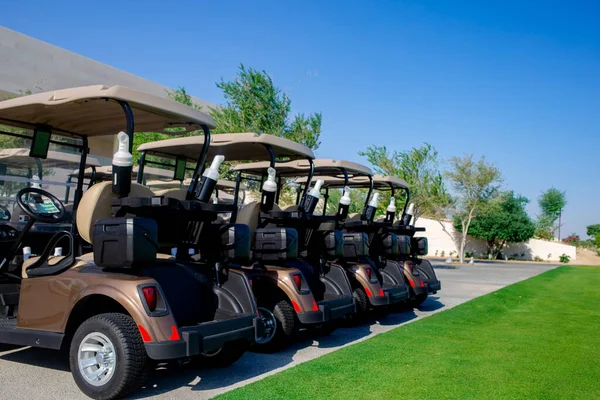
(28, 373)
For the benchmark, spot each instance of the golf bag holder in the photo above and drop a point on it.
(356, 244)
(389, 244)
(275, 244)
(333, 243)
(125, 242)
(235, 240)
(420, 246)
(403, 245)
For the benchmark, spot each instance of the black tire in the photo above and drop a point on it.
(132, 362)
(419, 299)
(286, 328)
(224, 357)
(325, 329)
(362, 301)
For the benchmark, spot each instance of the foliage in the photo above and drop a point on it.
(551, 202)
(598, 241)
(501, 220)
(564, 258)
(357, 204)
(474, 183)
(538, 259)
(254, 104)
(593, 230)
(573, 239)
(543, 233)
(419, 167)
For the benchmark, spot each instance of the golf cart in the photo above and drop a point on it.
(370, 288)
(125, 304)
(292, 293)
(386, 235)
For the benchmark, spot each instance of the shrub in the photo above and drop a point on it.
(564, 258)
(545, 235)
(468, 254)
(443, 254)
(538, 259)
(573, 239)
(598, 253)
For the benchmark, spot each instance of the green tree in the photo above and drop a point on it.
(419, 167)
(254, 104)
(501, 220)
(474, 183)
(593, 230)
(357, 197)
(551, 203)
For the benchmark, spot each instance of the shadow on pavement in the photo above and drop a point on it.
(44, 358)
(431, 304)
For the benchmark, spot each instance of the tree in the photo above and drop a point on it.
(501, 220)
(551, 203)
(254, 104)
(593, 230)
(474, 183)
(419, 167)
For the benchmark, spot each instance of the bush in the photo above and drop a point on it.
(564, 259)
(537, 259)
(468, 254)
(573, 240)
(443, 253)
(544, 235)
(598, 253)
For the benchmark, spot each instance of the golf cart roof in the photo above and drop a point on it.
(380, 182)
(221, 184)
(234, 146)
(86, 111)
(19, 158)
(293, 168)
(104, 173)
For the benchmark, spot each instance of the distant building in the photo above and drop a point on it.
(31, 64)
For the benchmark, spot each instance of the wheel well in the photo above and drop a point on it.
(88, 307)
(268, 292)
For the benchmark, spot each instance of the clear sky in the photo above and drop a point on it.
(516, 81)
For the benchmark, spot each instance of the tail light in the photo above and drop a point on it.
(411, 266)
(297, 281)
(368, 272)
(250, 282)
(381, 293)
(150, 297)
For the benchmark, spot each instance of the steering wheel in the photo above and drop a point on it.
(40, 205)
(4, 214)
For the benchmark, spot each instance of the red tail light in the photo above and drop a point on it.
(411, 266)
(381, 293)
(250, 282)
(297, 281)
(174, 333)
(369, 294)
(150, 297)
(422, 284)
(315, 306)
(368, 272)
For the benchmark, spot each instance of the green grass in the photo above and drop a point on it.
(539, 338)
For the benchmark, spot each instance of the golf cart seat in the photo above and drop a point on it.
(96, 203)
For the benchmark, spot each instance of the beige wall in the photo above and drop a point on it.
(440, 241)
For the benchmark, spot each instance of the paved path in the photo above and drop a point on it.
(36, 373)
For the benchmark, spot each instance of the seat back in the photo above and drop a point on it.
(178, 194)
(249, 215)
(96, 203)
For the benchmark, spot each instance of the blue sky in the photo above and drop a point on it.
(514, 81)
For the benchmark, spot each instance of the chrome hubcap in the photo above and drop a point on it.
(270, 324)
(97, 359)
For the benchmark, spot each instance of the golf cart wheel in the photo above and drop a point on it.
(419, 299)
(325, 329)
(107, 357)
(362, 301)
(279, 318)
(221, 358)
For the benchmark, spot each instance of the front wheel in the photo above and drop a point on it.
(107, 357)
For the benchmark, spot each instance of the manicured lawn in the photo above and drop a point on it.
(536, 339)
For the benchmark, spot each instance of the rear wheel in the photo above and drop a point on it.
(362, 301)
(279, 319)
(107, 357)
(221, 358)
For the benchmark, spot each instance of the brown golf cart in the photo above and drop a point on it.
(292, 294)
(124, 304)
(394, 245)
(366, 280)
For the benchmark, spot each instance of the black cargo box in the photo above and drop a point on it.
(236, 242)
(404, 245)
(125, 242)
(275, 244)
(334, 244)
(420, 246)
(356, 244)
(390, 245)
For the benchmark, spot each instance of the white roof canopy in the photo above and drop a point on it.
(19, 158)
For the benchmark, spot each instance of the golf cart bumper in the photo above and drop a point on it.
(328, 310)
(391, 295)
(206, 337)
(433, 286)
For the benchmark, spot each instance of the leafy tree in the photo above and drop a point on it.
(593, 230)
(501, 220)
(254, 104)
(357, 197)
(551, 203)
(573, 239)
(419, 167)
(474, 183)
